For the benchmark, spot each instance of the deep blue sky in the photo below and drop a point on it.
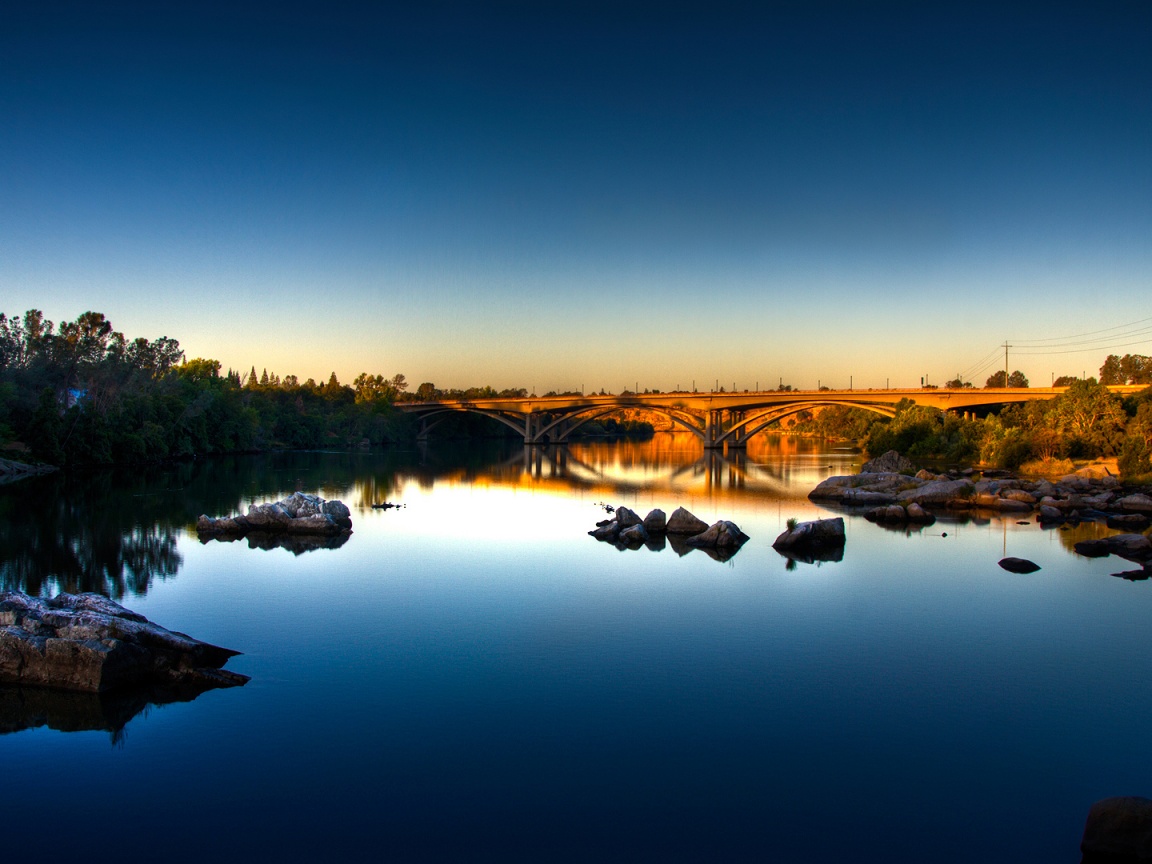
(564, 194)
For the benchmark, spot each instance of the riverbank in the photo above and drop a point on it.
(887, 490)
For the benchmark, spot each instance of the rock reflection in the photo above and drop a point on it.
(831, 554)
(24, 708)
(297, 544)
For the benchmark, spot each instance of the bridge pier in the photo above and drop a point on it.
(738, 441)
(713, 428)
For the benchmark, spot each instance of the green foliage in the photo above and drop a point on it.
(81, 394)
(1129, 369)
(792, 523)
(918, 431)
(835, 421)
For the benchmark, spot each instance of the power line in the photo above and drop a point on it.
(1090, 333)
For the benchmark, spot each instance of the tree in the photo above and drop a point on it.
(997, 379)
(1090, 418)
(199, 369)
(957, 383)
(1065, 381)
(372, 388)
(426, 392)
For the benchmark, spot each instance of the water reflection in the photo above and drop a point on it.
(24, 708)
(116, 532)
(778, 466)
(297, 544)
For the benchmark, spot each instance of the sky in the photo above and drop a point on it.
(571, 195)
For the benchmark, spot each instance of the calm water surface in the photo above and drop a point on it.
(471, 677)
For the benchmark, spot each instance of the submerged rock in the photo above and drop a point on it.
(90, 643)
(1118, 831)
(1018, 565)
(299, 513)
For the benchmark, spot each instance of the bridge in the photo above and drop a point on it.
(718, 419)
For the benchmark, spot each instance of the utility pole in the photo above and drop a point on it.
(1006, 347)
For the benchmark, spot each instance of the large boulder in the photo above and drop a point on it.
(890, 461)
(1118, 831)
(299, 513)
(683, 522)
(88, 642)
(818, 534)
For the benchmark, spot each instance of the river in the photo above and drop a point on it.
(470, 677)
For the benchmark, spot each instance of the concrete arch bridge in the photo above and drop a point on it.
(717, 419)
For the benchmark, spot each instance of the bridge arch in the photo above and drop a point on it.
(749, 426)
(595, 412)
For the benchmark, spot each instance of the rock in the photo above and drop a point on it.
(720, 535)
(90, 643)
(1092, 548)
(1135, 575)
(627, 518)
(1012, 505)
(1131, 521)
(890, 461)
(299, 513)
(1050, 514)
(606, 532)
(1118, 831)
(655, 522)
(1134, 547)
(1135, 503)
(1018, 495)
(1094, 472)
(683, 522)
(815, 535)
(632, 535)
(833, 487)
(918, 514)
(866, 496)
(1019, 565)
(949, 493)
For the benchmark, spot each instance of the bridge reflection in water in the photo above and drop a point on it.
(717, 420)
(778, 466)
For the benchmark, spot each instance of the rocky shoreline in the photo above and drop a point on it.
(890, 489)
(88, 643)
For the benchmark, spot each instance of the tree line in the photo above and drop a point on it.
(81, 393)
